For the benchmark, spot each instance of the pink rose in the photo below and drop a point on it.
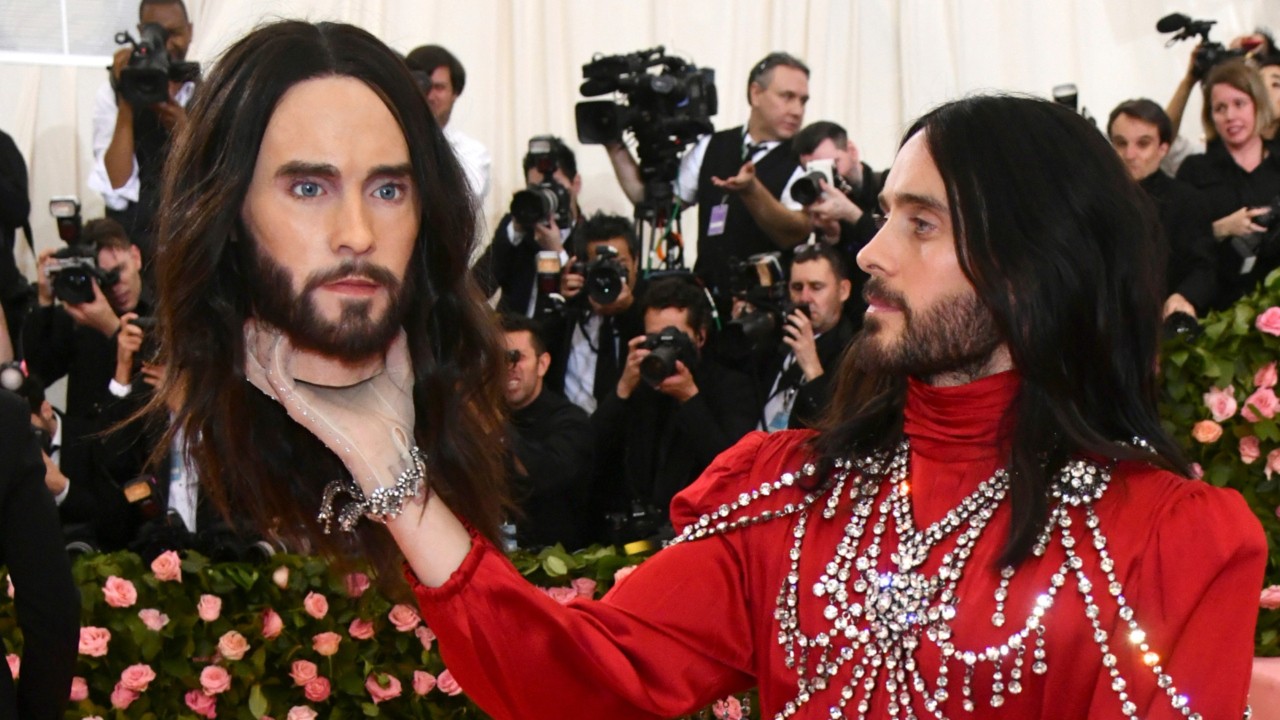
(232, 645)
(425, 636)
(382, 687)
(561, 595)
(153, 619)
(302, 672)
(301, 712)
(585, 587)
(357, 583)
(1269, 321)
(317, 690)
(1197, 472)
(361, 629)
(1270, 598)
(1265, 401)
(1249, 449)
(122, 697)
(215, 679)
(93, 641)
(209, 607)
(326, 643)
(1273, 462)
(9, 581)
(447, 684)
(15, 665)
(79, 689)
(1221, 403)
(119, 593)
(92, 717)
(167, 567)
(316, 605)
(1266, 376)
(281, 577)
(272, 625)
(1206, 431)
(201, 704)
(137, 677)
(404, 618)
(727, 709)
(622, 573)
(423, 682)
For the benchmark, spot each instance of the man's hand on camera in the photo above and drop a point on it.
(44, 283)
(118, 63)
(797, 333)
(1177, 303)
(152, 373)
(96, 313)
(630, 377)
(832, 208)
(679, 385)
(736, 184)
(1239, 223)
(53, 477)
(172, 115)
(128, 343)
(547, 235)
(571, 282)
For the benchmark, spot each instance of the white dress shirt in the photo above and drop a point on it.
(105, 110)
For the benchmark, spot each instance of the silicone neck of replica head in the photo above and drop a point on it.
(317, 368)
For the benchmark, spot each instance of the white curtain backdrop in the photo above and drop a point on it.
(876, 65)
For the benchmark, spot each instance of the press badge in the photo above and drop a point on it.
(718, 215)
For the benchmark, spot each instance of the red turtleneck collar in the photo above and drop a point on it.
(959, 423)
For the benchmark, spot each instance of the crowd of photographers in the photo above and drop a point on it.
(627, 373)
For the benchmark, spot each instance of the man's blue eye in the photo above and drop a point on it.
(306, 189)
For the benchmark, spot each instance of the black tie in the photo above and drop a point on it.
(749, 151)
(606, 360)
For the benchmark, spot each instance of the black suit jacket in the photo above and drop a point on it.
(513, 268)
(45, 597)
(551, 439)
(811, 397)
(95, 498)
(558, 331)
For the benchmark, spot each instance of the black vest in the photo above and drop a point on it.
(742, 237)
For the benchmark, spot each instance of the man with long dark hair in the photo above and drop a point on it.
(991, 522)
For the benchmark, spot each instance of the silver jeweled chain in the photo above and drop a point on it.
(877, 613)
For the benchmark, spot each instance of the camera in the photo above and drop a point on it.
(666, 111)
(808, 187)
(665, 348)
(606, 276)
(1209, 53)
(545, 200)
(145, 80)
(74, 268)
(758, 280)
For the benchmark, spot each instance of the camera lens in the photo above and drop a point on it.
(808, 188)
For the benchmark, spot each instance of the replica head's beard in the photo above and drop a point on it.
(355, 335)
(957, 334)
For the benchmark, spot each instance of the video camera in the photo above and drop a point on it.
(760, 281)
(544, 200)
(145, 80)
(74, 268)
(605, 275)
(665, 111)
(1209, 53)
(665, 348)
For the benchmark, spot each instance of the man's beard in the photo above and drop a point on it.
(956, 335)
(355, 335)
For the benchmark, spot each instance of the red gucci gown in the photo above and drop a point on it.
(698, 620)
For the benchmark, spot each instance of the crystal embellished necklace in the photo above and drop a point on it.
(879, 606)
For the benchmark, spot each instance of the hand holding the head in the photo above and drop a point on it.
(363, 413)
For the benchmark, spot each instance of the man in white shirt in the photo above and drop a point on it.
(130, 143)
(442, 78)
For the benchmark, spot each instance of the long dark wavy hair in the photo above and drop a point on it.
(253, 461)
(1062, 247)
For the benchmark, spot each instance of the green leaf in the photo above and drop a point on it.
(257, 701)
(555, 566)
(370, 710)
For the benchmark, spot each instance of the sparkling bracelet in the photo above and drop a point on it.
(381, 505)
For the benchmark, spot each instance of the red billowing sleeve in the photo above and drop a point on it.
(671, 638)
(1194, 589)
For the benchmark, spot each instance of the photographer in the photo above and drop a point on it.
(549, 441)
(442, 78)
(796, 387)
(549, 219)
(130, 143)
(844, 214)
(78, 339)
(15, 206)
(1141, 134)
(673, 410)
(588, 336)
(1239, 177)
(737, 176)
